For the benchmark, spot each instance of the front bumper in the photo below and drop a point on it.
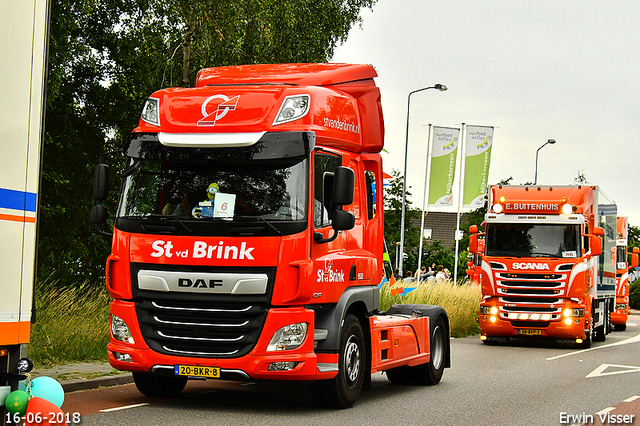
(255, 365)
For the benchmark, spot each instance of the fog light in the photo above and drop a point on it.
(567, 321)
(120, 330)
(288, 337)
(493, 319)
(282, 366)
(122, 357)
(483, 337)
(578, 341)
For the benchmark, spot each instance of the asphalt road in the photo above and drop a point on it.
(515, 383)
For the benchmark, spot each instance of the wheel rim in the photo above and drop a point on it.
(437, 347)
(352, 361)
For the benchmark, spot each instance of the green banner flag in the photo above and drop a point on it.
(479, 140)
(444, 151)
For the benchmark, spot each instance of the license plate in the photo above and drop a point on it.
(197, 371)
(529, 332)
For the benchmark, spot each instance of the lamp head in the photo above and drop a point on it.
(440, 87)
(551, 141)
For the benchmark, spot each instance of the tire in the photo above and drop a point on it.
(400, 375)
(586, 343)
(620, 327)
(159, 386)
(431, 372)
(343, 390)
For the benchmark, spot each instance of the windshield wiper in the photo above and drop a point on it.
(260, 218)
(540, 254)
(174, 218)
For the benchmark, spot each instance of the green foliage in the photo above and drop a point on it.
(72, 326)
(634, 295)
(459, 301)
(106, 58)
(393, 219)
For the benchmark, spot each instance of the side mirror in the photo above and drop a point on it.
(473, 243)
(101, 182)
(635, 250)
(634, 260)
(596, 244)
(98, 214)
(598, 230)
(343, 186)
(473, 229)
(342, 220)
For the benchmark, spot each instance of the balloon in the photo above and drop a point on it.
(16, 402)
(40, 412)
(47, 388)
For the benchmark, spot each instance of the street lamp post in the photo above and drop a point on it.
(550, 141)
(442, 88)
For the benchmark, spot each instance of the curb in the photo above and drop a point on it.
(86, 384)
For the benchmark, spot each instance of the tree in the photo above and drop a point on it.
(105, 58)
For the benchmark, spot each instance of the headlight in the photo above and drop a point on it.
(497, 208)
(293, 108)
(621, 306)
(567, 209)
(289, 337)
(151, 111)
(120, 330)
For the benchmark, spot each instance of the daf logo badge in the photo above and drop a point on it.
(209, 116)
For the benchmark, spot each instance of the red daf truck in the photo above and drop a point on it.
(248, 238)
(621, 313)
(545, 272)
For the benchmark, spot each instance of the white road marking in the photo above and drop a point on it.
(108, 410)
(633, 398)
(600, 371)
(622, 342)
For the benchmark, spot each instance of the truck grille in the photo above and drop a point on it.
(199, 329)
(531, 284)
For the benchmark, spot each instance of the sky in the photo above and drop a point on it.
(567, 70)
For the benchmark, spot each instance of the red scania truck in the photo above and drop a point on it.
(621, 312)
(548, 264)
(248, 238)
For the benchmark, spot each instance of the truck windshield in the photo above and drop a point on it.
(212, 192)
(532, 240)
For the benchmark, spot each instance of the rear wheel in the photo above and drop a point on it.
(431, 372)
(400, 375)
(343, 390)
(159, 386)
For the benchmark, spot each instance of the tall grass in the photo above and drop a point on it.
(460, 301)
(72, 324)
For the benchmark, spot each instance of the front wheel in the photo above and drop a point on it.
(620, 327)
(343, 390)
(431, 372)
(159, 386)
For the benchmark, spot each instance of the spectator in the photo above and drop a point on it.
(423, 273)
(440, 275)
(396, 274)
(409, 278)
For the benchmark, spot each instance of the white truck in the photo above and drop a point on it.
(23, 50)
